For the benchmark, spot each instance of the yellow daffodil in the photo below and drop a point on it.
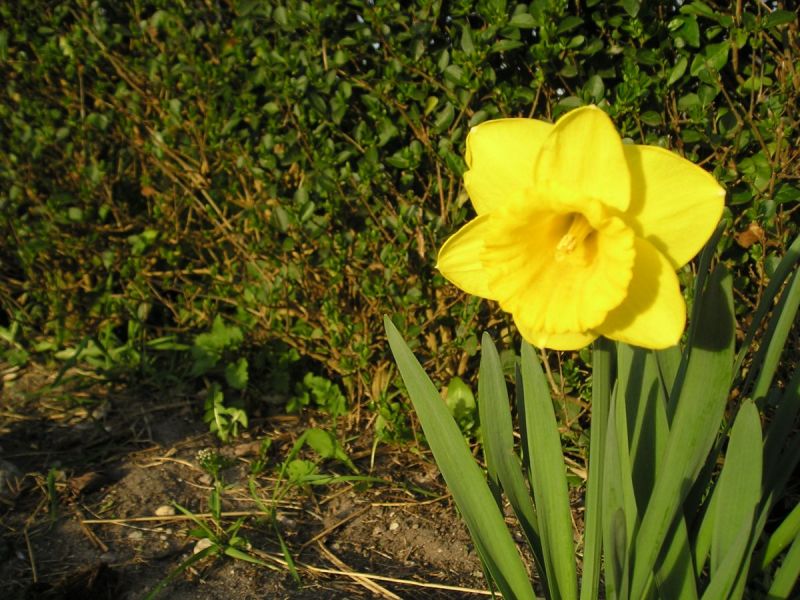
(578, 235)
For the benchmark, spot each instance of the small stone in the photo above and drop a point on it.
(201, 545)
(247, 449)
(135, 535)
(165, 510)
(102, 411)
(205, 479)
(394, 526)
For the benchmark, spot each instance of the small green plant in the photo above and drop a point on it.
(221, 419)
(319, 392)
(219, 540)
(215, 354)
(12, 350)
(461, 402)
(212, 462)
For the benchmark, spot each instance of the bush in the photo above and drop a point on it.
(295, 167)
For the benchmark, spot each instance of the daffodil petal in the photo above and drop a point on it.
(500, 157)
(653, 314)
(556, 341)
(675, 205)
(460, 257)
(582, 157)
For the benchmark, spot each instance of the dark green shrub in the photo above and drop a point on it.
(295, 166)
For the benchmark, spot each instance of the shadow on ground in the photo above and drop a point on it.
(90, 476)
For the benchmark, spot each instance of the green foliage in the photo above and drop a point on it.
(221, 419)
(320, 393)
(208, 348)
(288, 170)
(461, 402)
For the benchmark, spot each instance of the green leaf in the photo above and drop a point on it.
(647, 428)
(523, 21)
(700, 9)
(208, 347)
(695, 424)
(619, 504)
(461, 402)
(787, 193)
(505, 46)
(717, 55)
(690, 31)
(236, 374)
(502, 462)
(631, 7)
(280, 16)
(595, 88)
(602, 359)
(467, 44)
(739, 489)
(651, 117)
(462, 475)
(444, 118)
(678, 70)
(325, 444)
(569, 23)
(548, 478)
(780, 539)
(298, 470)
(779, 17)
(688, 102)
(787, 575)
(782, 424)
(773, 342)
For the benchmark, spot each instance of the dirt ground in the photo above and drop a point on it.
(90, 477)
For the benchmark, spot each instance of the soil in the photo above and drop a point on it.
(90, 476)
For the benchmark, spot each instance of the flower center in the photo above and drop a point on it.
(578, 230)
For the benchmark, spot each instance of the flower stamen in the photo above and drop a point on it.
(579, 230)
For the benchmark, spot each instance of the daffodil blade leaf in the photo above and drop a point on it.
(639, 384)
(619, 505)
(502, 462)
(700, 404)
(644, 379)
(548, 477)
(739, 488)
(730, 570)
(786, 576)
(602, 360)
(675, 575)
(780, 539)
(462, 475)
(780, 429)
(772, 345)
